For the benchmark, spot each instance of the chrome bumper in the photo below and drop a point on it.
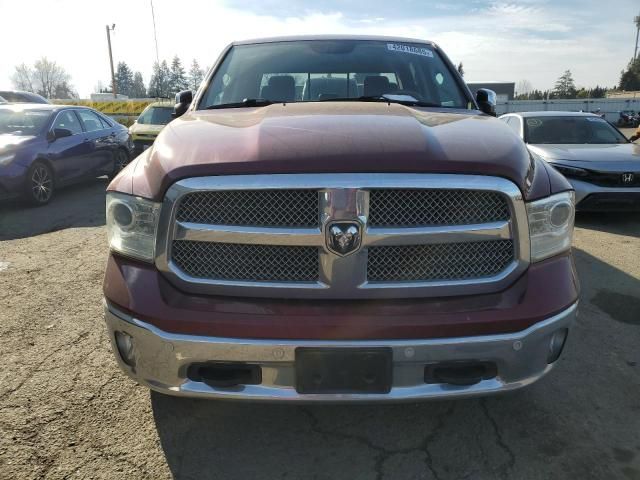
(162, 359)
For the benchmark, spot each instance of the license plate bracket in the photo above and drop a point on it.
(343, 370)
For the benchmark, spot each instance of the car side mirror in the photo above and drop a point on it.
(183, 100)
(487, 101)
(57, 133)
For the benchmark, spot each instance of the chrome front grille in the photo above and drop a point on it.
(420, 207)
(262, 208)
(447, 261)
(228, 261)
(273, 236)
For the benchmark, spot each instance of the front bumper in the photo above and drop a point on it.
(162, 360)
(590, 197)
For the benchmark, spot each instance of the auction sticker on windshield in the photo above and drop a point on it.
(395, 47)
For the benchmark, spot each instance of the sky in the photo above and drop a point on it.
(533, 40)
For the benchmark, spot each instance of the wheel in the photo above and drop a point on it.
(120, 161)
(40, 184)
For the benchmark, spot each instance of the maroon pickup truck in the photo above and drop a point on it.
(338, 219)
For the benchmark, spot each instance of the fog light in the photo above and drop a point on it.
(124, 342)
(556, 345)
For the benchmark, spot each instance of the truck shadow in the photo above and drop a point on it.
(81, 205)
(538, 432)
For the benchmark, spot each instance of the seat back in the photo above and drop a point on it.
(280, 89)
(376, 85)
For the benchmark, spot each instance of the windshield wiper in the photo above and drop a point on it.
(247, 102)
(387, 98)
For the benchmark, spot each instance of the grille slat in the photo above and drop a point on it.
(450, 261)
(261, 208)
(418, 207)
(227, 261)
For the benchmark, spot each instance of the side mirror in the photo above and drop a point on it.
(183, 100)
(57, 133)
(487, 101)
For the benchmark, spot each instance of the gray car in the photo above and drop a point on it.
(598, 160)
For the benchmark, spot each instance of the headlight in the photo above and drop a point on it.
(570, 171)
(132, 223)
(5, 158)
(551, 225)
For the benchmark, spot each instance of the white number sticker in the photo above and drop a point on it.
(395, 47)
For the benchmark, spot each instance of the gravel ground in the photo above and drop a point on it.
(66, 411)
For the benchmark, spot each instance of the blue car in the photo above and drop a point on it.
(44, 147)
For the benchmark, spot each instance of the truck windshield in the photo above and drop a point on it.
(321, 70)
(570, 130)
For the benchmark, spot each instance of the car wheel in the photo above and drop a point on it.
(40, 184)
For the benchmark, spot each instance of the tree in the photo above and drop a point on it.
(138, 89)
(598, 92)
(565, 86)
(124, 79)
(461, 69)
(46, 78)
(177, 77)
(523, 89)
(23, 78)
(630, 78)
(196, 74)
(159, 85)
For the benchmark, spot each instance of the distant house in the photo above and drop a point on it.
(504, 90)
(105, 97)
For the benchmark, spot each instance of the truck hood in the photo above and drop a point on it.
(329, 137)
(621, 157)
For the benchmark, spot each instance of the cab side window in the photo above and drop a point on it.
(69, 121)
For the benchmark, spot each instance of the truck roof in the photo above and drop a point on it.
(296, 38)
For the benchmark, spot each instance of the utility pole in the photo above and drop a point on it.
(155, 35)
(114, 88)
(637, 20)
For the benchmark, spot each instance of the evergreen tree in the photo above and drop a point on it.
(461, 69)
(565, 86)
(138, 89)
(124, 79)
(159, 85)
(177, 77)
(630, 78)
(196, 74)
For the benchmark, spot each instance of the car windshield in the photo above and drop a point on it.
(320, 70)
(156, 116)
(23, 122)
(570, 130)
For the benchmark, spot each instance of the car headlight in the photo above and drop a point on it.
(5, 158)
(132, 223)
(551, 225)
(570, 171)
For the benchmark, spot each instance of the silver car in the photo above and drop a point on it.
(598, 160)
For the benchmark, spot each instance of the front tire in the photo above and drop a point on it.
(40, 184)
